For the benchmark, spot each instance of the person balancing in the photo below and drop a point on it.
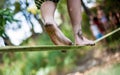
(48, 7)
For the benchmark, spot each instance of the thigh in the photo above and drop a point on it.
(39, 2)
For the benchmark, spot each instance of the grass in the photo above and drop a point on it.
(112, 69)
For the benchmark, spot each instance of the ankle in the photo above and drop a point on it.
(79, 34)
(49, 21)
(77, 31)
(48, 24)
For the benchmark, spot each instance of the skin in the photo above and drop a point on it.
(48, 9)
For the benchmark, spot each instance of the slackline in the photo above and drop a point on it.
(49, 47)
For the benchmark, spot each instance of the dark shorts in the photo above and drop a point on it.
(39, 2)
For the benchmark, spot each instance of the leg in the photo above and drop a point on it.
(74, 9)
(47, 11)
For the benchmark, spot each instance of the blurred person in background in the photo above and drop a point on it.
(114, 19)
(118, 18)
(102, 18)
(95, 30)
(95, 26)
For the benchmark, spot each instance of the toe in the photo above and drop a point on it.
(92, 43)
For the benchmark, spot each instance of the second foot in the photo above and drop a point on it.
(82, 41)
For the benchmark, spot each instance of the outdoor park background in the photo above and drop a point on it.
(21, 24)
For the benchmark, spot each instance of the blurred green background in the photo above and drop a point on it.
(21, 24)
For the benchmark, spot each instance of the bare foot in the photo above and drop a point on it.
(57, 37)
(82, 41)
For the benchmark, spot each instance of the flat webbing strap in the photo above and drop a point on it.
(109, 34)
(37, 48)
(48, 47)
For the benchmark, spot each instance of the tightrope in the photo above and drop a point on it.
(49, 47)
(116, 30)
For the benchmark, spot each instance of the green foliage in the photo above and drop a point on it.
(2, 3)
(17, 7)
(113, 38)
(109, 70)
(5, 16)
(30, 63)
(44, 39)
(111, 5)
(86, 25)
